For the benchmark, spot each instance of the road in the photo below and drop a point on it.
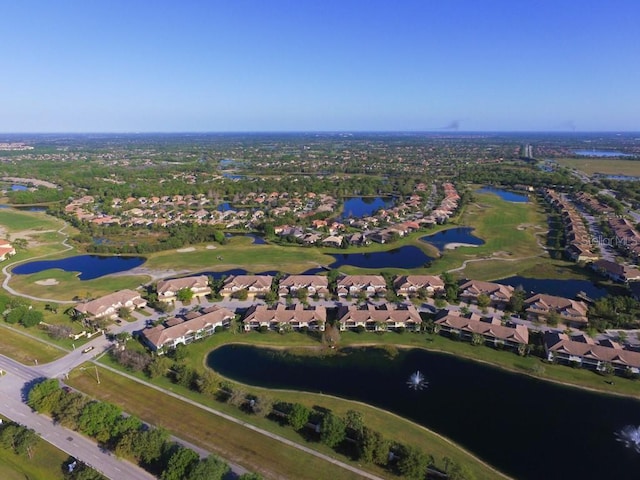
(12, 385)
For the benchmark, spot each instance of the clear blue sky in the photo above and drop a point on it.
(279, 65)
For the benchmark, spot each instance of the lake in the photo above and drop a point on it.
(505, 194)
(89, 266)
(525, 427)
(357, 207)
(601, 153)
(563, 288)
(452, 235)
(403, 257)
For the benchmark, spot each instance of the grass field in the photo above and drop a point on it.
(26, 349)
(45, 464)
(606, 166)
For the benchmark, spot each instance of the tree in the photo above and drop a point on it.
(98, 420)
(261, 405)
(298, 416)
(553, 318)
(181, 461)
(250, 476)
(159, 366)
(413, 462)
(44, 396)
(237, 397)
(18, 438)
(483, 301)
(210, 468)
(355, 422)
(332, 430)
(241, 294)
(516, 302)
(149, 444)
(373, 447)
(208, 383)
(59, 332)
(302, 294)
(31, 318)
(477, 339)
(184, 295)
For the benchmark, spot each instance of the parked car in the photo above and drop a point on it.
(88, 349)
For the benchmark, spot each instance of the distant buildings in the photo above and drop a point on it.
(107, 307)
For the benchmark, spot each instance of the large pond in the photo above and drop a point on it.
(527, 428)
(563, 288)
(452, 237)
(601, 153)
(89, 266)
(357, 207)
(505, 194)
(404, 257)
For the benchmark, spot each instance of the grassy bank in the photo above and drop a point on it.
(25, 349)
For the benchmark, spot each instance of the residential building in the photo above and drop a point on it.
(281, 317)
(177, 331)
(379, 318)
(353, 285)
(616, 271)
(314, 284)
(498, 294)
(168, 289)
(409, 285)
(109, 305)
(491, 329)
(255, 285)
(584, 351)
(571, 312)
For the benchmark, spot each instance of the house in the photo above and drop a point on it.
(315, 284)
(108, 306)
(354, 285)
(491, 330)
(584, 351)
(572, 312)
(168, 289)
(409, 285)
(333, 241)
(255, 285)
(498, 294)
(175, 332)
(379, 318)
(281, 317)
(615, 271)
(6, 250)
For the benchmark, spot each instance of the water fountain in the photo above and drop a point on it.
(417, 381)
(630, 437)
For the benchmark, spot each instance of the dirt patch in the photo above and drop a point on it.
(48, 281)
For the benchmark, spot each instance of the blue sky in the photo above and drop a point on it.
(330, 65)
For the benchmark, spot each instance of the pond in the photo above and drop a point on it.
(223, 207)
(403, 257)
(19, 188)
(505, 194)
(89, 266)
(601, 153)
(459, 236)
(525, 427)
(552, 286)
(356, 207)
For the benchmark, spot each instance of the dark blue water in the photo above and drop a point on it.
(18, 188)
(232, 176)
(403, 257)
(357, 207)
(452, 235)
(31, 208)
(89, 266)
(223, 207)
(601, 153)
(560, 288)
(527, 428)
(505, 195)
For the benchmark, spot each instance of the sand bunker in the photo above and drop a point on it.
(211, 247)
(48, 281)
(453, 245)
(185, 250)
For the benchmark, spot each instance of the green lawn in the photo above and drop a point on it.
(17, 221)
(26, 349)
(45, 464)
(607, 166)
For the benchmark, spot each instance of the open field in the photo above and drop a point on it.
(511, 232)
(227, 439)
(25, 349)
(46, 464)
(607, 166)
(388, 424)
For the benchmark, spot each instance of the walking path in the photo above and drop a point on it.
(7, 274)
